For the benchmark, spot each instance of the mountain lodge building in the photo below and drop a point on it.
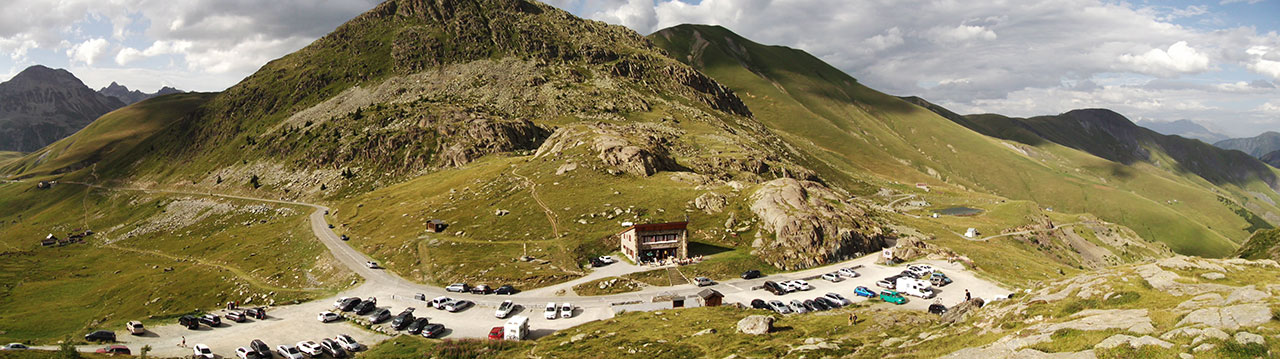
(652, 242)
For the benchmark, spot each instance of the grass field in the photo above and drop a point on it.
(151, 258)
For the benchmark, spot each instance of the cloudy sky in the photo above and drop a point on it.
(1216, 62)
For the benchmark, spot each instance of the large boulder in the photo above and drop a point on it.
(1229, 318)
(811, 224)
(756, 325)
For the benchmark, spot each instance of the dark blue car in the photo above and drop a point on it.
(864, 292)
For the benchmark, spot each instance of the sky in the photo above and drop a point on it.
(1214, 62)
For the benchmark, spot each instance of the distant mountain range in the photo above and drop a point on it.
(1265, 146)
(1184, 128)
(41, 105)
(131, 97)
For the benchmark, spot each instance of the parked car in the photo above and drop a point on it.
(347, 342)
(504, 309)
(607, 259)
(775, 288)
(101, 336)
(380, 315)
(245, 353)
(751, 274)
(830, 304)
(566, 310)
(847, 272)
(439, 302)
(838, 299)
(433, 330)
(550, 311)
(366, 306)
(237, 317)
(798, 306)
(759, 304)
(800, 284)
(403, 319)
(779, 307)
(920, 270)
(939, 279)
(256, 313)
(135, 328)
(892, 296)
(289, 352)
(347, 304)
(888, 283)
(832, 277)
(495, 333)
(262, 349)
(326, 316)
(808, 305)
(864, 292)
(820, 304)
(937, 308)
(909, 274)
(458, 305)
(211, 320)
(344, 237)
(332, 348)
(787, 287)
(481, 289)
(14, 346)
(416, 327)
(309, 347)
(201, 351)
(505, 290)
(457, 288)
(595, 262)
(372, 265)
(703, 281)
(123, 350)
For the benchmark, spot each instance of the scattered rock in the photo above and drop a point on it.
(1204, 347)
(501, 212)
(1133, 320)
(1213, 276)
(704, 332)
(1210, 333)
(710, 202)
(1246, 338)
(1246, 295)
(756, 325)
(1230, 318)
(565, 168)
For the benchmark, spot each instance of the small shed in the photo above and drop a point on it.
(677, 301)
(710, 297)
(436, 226)
(49, 240)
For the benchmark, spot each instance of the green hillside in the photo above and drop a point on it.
(110, 138)
(863, 133)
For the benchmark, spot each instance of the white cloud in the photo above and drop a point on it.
(1250, 2)
(961, 33)
(89, 51)
(1270, 107)
(128, 55)
(1262, 61)
(1179, 58)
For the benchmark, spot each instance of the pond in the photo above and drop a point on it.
(959, 211)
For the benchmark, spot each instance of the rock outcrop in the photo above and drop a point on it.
(755, 325)
(811, 225)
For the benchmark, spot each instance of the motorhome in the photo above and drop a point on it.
(915, 287)
(516, 328)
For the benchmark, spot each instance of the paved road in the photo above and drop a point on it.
(290, 324)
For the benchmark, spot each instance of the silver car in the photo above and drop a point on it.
(779, 307)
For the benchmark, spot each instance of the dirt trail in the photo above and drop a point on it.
(533, 191)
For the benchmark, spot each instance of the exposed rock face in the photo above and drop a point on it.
(755, 325)
(42, 105)
(961, 311)
(122, 93)
(480, 137)
(1229, 318)
(711, 203)
(623, 149)
(811, 224)
(618, 152)
(1131, 341)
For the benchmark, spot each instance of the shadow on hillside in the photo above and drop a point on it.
(704, 249)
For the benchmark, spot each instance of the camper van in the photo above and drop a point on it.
(915, 287)
(516, 328)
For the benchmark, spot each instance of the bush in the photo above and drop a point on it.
(469, 348)
(66, 350)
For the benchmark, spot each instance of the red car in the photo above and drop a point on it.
(495, 333)
(115, 349)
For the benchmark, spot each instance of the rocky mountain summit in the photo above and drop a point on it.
(41, 105)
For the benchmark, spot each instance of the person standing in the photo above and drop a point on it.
(967, 296)
(184, 342)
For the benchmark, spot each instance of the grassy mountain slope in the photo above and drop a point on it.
(866, 134)
(110, 138)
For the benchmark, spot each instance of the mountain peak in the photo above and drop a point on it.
(39, 75)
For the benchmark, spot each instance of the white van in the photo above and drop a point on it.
(915, 287)
(566, 310)
(550, 313)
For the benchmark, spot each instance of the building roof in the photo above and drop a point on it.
(708, 293)
(436, 221)
(658, 226)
